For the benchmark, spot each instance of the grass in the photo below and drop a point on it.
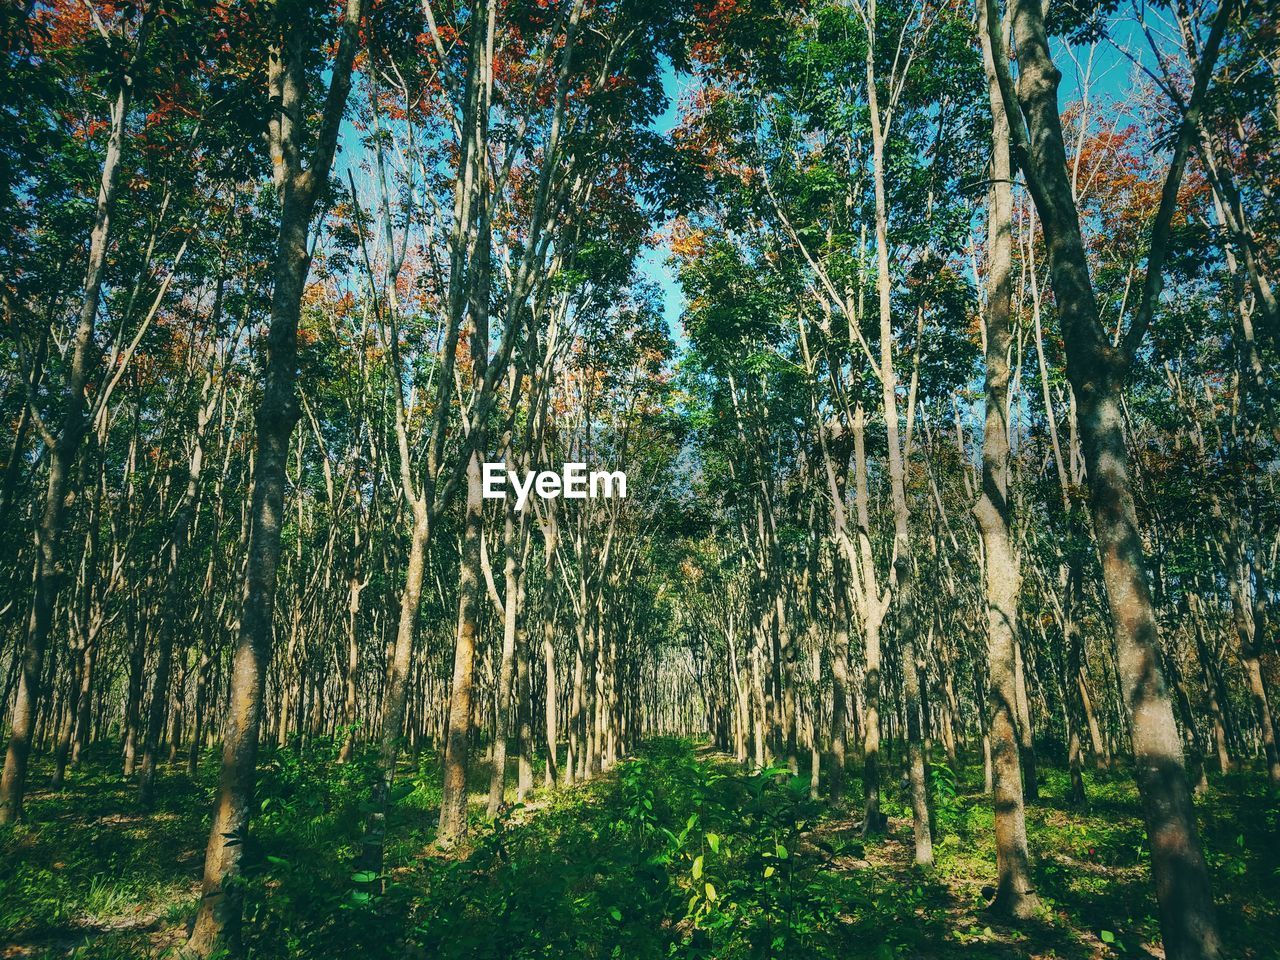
(677, 853)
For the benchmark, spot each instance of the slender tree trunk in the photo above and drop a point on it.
(1208, 670)
(133, 696)
(197, 715)
(351, 675)
(1026, 732)
(65, 728)
(1015, 895)
(524, 717)
(1099, 743)
(1192, 742)
(840, 701)
(1072, 690)
(903, 573)
(84, 719)
(873, 820)
(514, 603)
(549, 697)
(453, 802)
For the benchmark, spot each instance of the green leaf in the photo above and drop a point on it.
(782, 852)
(615, 913)
(1107, 936)
(697, 867)
(711, 893)
(768, 871)
(713, 841)
(364, 876)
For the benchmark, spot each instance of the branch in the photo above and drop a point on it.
(1169, 195)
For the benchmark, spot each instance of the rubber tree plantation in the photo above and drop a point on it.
(621, 480)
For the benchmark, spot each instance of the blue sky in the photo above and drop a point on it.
(653, 261)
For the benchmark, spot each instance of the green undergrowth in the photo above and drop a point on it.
(678, 852)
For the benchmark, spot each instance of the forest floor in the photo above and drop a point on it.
(676, 853)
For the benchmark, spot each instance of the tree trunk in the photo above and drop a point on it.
(453, 801)
(1096, 370)
(351, 674)
(902, 567)
(524, 717)
(1026, 733)
(1014, 890)
(133, 696)
(513, 601)
(873, 821)
(549, 697)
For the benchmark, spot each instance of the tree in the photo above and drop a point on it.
(298, 188)
(1014, 888)
(1097, 370)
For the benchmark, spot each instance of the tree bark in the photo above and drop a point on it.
(453, 802)
(513, 602)
(1015, 895)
